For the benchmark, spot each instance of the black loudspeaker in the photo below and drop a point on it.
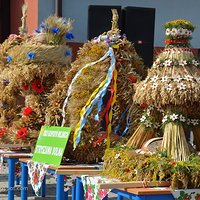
(99, 19)
(4, 19)
(139, 24)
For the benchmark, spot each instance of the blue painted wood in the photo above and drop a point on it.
(123, 194)
(43, 187)
(79, 189)
(24, 181)
(60, 187)
(74, 192)
(11, 178)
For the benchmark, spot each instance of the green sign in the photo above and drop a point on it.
(51, 144)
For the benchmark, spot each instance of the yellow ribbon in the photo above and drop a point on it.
(111, 112)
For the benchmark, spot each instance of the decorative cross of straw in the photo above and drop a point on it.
(23, 28)
(115, 18)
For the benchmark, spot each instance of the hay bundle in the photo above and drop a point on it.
(173, 85)
(83, 80)
(34, 67)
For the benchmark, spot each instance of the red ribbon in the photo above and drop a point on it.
(105, 113)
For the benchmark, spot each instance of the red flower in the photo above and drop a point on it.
(27, 111)
(37, 86)
(144, 105)
(25, 87)
(21, 133)
(2, 132)
(132, 78)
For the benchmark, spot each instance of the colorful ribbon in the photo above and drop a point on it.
(116, 129)
(94, 98)
(74, 79)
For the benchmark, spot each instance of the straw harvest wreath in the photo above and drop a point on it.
(99, 88)
(31, 65)
(172, 91)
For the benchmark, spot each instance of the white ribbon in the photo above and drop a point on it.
(74, 79)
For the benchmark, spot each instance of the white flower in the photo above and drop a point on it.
(167, 63)
(151, 107)
(173, 117)
(160, 110)
(117, 155)
(198, 79)
(147, 124)
(167, 32)
(143, 118)
(186, 32)
(189, 33)
(188, 121)
(188, 78)
(194, 122)
(154, 86)
(182, 63)
(174, 31)
(180, 31)
(156, 125)
(195, 62)
(181, 86)
(182, 118)
(164, 119)
(177, 78)
(164, 79)
(169, 87)
(154, 78)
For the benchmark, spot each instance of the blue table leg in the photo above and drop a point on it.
(74, 192)
(24, 181)
(66, 195)
(43, 188)
(60, 187)
(79, 189)
(11, 178)
(17, 180)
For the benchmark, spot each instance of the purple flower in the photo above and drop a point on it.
(30, 55)
(69, 36)
(55, 30)
(8, 59)
(5, 82)
(68, 53)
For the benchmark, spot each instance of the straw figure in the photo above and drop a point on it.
(99, 90)
(33, 66)
(172, 85)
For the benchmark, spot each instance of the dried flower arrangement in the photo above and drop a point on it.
(34, 64)
(171, 90)
(99, 88)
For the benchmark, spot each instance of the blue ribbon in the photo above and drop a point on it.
(99, 95)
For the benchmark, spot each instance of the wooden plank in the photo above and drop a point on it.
(18, 155)
(148, 191)
(78, 172)
(14, 146)
(78, 167)
(134, 184)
